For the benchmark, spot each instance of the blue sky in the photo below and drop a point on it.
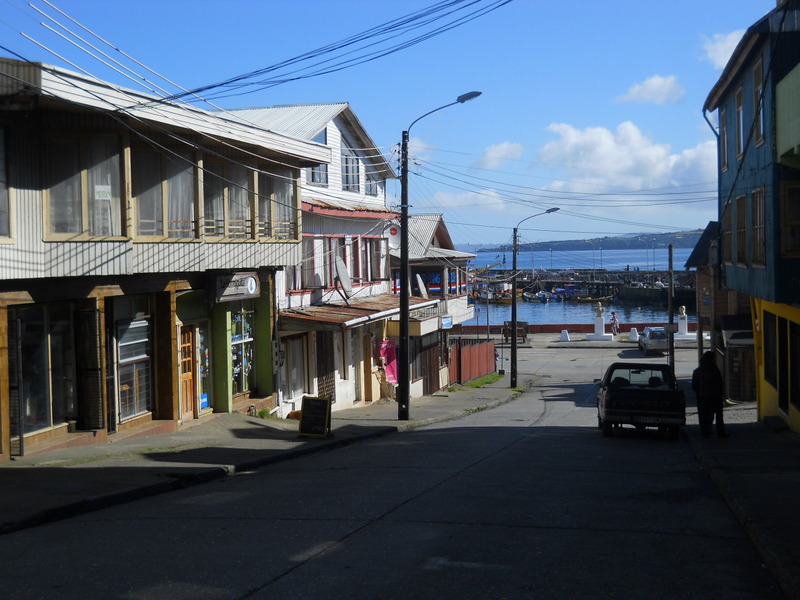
(592, 106)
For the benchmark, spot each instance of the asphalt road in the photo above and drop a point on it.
(526, 500)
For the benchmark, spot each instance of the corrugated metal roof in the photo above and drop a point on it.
(351, 314)
(306, 120)
(49, 82)
(298, 120)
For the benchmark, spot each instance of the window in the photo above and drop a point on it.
(727, 233)
(164, 189)
(723, 139)
(317, 175)
(741, 230)
(790, 221)
(134, 356)
(739, 123)
(350, 169)
(284, 200)
(371, 185)
(227, 191)
(5, 217)
(242, 347)
(85, 183)
(758, 102)
(758, 252)
(47, 365)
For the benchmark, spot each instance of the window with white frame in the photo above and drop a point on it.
(758, 250)
(164, 188)
(84, 193)
(351, 172)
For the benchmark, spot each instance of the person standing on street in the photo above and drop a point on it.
(614, 324)
(710, 392)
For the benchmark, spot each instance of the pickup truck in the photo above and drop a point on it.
(643, 395)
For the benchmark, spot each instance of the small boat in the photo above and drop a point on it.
(530, 296)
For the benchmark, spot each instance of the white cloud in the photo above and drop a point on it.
(720, 46)
(480, 201)
(493, 156)
(601, 163)
(654, 90)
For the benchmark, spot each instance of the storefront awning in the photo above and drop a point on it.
(346, 316)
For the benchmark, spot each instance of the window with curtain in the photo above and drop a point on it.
(371, 183)
(758, 89)
(282, 184)
(740, 128)
(5, 221)
(214, 199)
(181, 196)
(727, 233)
(84, 194)
(66, 204)
(264, 206)
(239, 202)
(147, 189)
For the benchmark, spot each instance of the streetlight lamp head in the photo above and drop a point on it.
(552, 210)
(468, 96)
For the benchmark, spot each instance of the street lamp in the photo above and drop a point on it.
(514, 297)
(403, 371)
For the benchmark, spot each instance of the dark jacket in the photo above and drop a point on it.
(707, 381)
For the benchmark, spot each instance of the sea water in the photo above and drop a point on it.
(573, 312)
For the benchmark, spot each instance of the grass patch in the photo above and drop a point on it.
(472, 411)
(486, 379)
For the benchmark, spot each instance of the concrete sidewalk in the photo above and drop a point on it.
(757, 469)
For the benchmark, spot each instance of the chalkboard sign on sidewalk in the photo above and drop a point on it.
(315, 416)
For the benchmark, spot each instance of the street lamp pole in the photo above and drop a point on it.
(403, 364)
(514, 296)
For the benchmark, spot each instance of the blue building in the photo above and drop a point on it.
(757, 106)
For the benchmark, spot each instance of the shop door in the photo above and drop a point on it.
(326, 375)
(188, 370)
(429, 360)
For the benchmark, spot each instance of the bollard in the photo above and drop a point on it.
(564, 335)
(634, 335)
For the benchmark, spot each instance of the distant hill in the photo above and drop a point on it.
(678, 239)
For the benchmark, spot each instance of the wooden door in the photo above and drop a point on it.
(188, 370)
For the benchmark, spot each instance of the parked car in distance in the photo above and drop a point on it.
(653, 339)
(643, 395)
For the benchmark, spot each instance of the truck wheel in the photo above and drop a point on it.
(608, 428)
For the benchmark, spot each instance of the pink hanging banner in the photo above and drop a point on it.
(389, 356)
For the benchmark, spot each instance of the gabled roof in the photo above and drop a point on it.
(750, 42)
(305, 121)
(52, 84)
(428, 237)
(699, 256)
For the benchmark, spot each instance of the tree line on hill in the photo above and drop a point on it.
(643, 241)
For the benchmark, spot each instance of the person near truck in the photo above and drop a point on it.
(709, 389)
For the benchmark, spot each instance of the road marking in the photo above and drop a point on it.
(437, 563)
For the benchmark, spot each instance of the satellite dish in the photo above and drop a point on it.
(392, 233)
(423, 291)
(343, 275)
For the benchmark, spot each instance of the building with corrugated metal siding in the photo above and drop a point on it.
(139, 245)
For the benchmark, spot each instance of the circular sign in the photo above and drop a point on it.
(251, 285)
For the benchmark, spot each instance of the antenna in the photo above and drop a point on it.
(423, 291)
(343, 276)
